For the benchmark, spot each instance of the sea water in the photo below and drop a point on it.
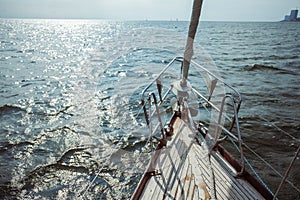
(70, 120)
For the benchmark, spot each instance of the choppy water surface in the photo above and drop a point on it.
(69, 99)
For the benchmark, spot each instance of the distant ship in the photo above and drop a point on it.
(292, 17)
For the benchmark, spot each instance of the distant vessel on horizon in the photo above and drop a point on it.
(292, 17)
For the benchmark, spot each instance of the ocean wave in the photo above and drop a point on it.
(286, 57)
(8, 191)
(248, 58)
(271, 57)
(26, 51)
(260, 67)
(10, 109)
(6, 145)
(73, 160)
(9, 50)
(37, 175)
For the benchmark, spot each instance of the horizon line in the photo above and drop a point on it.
(129, 20)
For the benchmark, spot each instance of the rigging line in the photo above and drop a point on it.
(287, 173)
(140, 154)
(149, 141)
(252, 169)
(105, 163)
(114, 57)
(270, 166)
(283, 131)
(98, 173)
(139, 112)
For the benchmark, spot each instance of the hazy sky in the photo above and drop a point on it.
(213, 10)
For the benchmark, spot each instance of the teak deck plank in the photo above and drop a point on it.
(224, 189)
(183, 171)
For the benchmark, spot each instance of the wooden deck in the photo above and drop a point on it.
(184, 170)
